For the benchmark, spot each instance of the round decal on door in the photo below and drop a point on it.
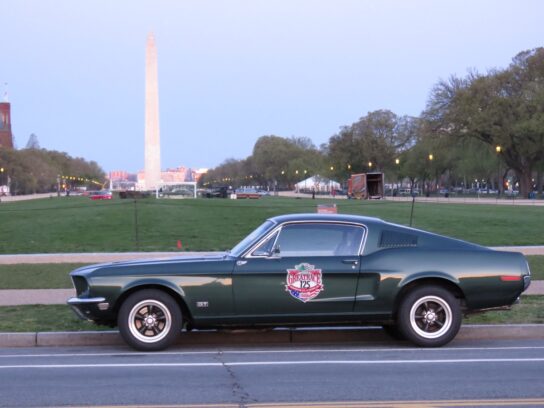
(304, 282)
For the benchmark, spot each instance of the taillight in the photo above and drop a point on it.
(510, 278)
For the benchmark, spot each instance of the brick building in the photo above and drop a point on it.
(6, 137)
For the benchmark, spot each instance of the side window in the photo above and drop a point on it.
(320, 240)
(265, 249)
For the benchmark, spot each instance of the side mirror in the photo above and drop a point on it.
(275, 254)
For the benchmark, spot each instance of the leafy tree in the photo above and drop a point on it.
(36, 170)
(372, 143)
(275, 160)
(502, 108)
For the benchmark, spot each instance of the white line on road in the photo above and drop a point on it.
(271, 351)
(281, 363)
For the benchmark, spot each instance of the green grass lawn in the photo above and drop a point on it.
(42, 318)
(37, 276)
(55, 276)
(38, 318)
(536, 263)
(77, 224)
(529, 310)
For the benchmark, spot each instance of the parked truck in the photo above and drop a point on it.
(366, 186)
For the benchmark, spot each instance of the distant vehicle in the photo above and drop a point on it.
(306, 269)
(100, 195)
(511, 192)
(247, 193)
(217, 192)
(366, 186)
(178, 192)
(134, 194)
(250, 193)
(407, 192)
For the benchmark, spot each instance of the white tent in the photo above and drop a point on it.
(318, 184)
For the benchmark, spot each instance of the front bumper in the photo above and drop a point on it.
(88, 308)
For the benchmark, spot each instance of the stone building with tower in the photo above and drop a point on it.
(6, 136)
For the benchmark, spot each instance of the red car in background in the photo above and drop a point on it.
(100, 195)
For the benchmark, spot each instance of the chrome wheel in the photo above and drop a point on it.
(431, 317)
(149, 321)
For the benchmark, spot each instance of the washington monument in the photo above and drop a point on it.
(152, 133)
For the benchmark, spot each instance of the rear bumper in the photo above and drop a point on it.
(526, 282)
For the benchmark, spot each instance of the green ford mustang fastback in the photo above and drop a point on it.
(306, 269)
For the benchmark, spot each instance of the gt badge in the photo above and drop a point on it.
(304, 282)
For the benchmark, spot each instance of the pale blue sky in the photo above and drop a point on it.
(231, 71)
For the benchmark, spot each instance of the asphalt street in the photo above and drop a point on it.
(471, 373)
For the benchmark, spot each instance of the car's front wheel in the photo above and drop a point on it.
(429, 316)
(149, 320)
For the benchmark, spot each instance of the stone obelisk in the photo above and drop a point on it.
(152, 133)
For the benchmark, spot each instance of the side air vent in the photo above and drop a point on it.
(394, 239)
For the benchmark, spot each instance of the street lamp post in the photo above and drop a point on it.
(498, 149)
(2, 180)
(397, 163)
(330, 180)
(431, 158)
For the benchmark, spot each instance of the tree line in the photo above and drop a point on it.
(485, 127)
(33, 170)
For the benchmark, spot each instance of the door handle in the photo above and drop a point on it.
(351, 261)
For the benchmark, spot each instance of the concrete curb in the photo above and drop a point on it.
(276, 336)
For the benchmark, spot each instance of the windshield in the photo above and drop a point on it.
(250, 239)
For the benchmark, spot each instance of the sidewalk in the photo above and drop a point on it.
(96, 257)
(17, 297)
(482, 199)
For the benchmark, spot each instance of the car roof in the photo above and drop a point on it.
(359, 219)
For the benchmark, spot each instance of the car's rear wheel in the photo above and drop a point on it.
(149, 320)
(429, 316)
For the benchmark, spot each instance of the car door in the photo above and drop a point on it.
(299, 270)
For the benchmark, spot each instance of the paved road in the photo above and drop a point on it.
(27, 197)
(482, 199)
(496, 371)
